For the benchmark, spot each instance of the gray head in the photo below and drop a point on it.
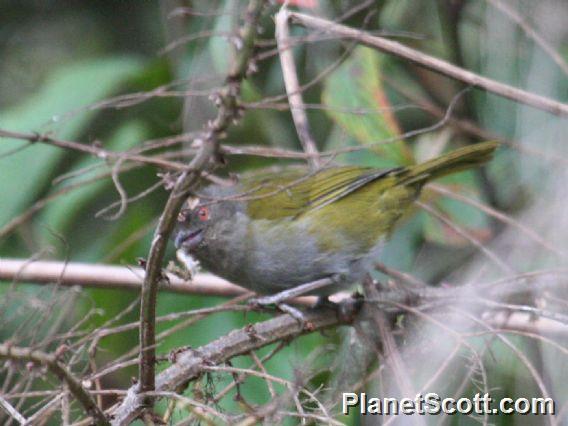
(201, 218)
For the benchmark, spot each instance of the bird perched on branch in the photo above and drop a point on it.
(272, 232)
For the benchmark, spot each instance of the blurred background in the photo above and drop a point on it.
(131, 76)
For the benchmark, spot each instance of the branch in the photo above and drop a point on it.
(15, 414)
(131, 278)
(109, 277)
(51, 362)
(228, 111)
(290, 75)
(391, 355)
(191, 364)
(91, 149)
(432, 63)
(123, 278)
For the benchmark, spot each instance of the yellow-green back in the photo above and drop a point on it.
(350, 204)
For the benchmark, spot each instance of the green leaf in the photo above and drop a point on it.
(356, 85)
(219, 47)
(68, 89)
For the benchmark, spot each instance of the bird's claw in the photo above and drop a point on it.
(268, 302)
(297, 315)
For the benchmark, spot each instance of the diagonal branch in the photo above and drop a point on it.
(192, 363)
(15, 414)
(431, 63)
(290, 75)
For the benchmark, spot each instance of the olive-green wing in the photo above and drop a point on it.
(290, 193)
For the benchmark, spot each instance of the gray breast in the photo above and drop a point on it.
(270, 256)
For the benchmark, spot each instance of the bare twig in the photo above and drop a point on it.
(90, 149)
(290, 75)
(390, 352)
(498, 215)
(59, 370)
(12, 412)
(467, 235)
(108, 276)
(401, 276)
(121, 277)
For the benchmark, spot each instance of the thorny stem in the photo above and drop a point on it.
(228, 111)
(191, 364)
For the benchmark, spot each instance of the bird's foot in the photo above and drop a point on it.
(297, 314)
(268, 303)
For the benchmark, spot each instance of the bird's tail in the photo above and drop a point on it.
(454, 161)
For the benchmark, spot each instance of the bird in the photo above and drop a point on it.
(275, 231)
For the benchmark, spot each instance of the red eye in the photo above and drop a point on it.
(203, 214)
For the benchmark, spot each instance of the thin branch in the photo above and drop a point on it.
(12, 412)
(108, 276)
(467, 126)
(400, 276)
(122, 277)
(46, 410)
(90, 149)
(537, 377)
(432, 63)
(130, 278)
(290, 75)
(42, 202)
(498, 215)
(390, 351)
(59, 370)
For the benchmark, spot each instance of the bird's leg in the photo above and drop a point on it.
(275, 299)
(279, 298)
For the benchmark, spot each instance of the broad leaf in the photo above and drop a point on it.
(70, 88)
(357, 101)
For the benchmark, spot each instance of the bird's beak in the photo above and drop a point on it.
(180, 238)
(188, 240)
